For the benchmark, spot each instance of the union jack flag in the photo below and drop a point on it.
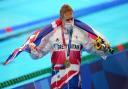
(39, 34)
(34, 38)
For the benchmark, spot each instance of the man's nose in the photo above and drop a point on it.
(70, 21)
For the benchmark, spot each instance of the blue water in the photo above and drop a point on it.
(112, 23)
(22, 11)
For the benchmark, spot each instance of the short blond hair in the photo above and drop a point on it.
(65, 8)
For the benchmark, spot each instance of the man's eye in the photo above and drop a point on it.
(69, 19)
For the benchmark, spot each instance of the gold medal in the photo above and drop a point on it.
(67, 63)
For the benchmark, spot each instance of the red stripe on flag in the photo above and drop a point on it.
(120, 47)
(92, 36)
(58, 22)
(62, 80)
(35, 34)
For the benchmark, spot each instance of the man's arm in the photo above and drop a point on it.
(92, 33)
(38, 53)
(41, 50)
(88, 45)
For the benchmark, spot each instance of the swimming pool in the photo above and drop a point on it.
(110, 22)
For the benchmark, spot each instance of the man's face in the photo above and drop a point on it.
(68, 21)
(68, 17)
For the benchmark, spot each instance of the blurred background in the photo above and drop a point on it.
(19, 18)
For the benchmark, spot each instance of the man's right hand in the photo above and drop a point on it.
(32, 46)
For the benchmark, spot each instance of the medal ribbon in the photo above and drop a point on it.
(69, 43)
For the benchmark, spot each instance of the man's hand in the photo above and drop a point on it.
(32, 46)
(106, 44)
(100, 44)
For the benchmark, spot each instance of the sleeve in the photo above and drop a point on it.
(43, 48)
(88, 45)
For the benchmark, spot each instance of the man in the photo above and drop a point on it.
(65, 44)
